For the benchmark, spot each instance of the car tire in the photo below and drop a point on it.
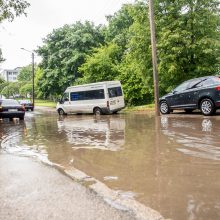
(97, 111)
(61, 112)
(207, 107)
(164, 108)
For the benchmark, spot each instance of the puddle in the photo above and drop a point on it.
(170, 165)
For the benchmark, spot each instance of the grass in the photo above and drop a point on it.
(45, 103)
(149, 107)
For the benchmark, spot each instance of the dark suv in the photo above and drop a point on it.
(201, 93)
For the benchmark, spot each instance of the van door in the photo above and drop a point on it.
(116, 98)
(66, 102)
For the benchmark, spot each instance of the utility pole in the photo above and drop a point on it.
(33, 96)
(32, 56)
(154, 57)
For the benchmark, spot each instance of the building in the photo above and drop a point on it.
(10, 75)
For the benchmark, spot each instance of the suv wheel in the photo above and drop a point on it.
(207, 107)
(164, 108)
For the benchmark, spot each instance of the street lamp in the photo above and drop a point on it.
(32, 55)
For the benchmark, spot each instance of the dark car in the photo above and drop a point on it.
(201, 93)
(27, 104)
(10, 108)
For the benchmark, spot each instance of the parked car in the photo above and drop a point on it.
(10, 108)
(27, 104)
(201, 93)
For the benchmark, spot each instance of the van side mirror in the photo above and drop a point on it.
(66, 100)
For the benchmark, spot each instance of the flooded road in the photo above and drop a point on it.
(170, 164)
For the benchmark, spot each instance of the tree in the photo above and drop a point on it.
(63, 52)
(1, 57)
(188, 40)
(102, 65)
(26, 90)
(11, 89)
(25, 73)
(9, 9)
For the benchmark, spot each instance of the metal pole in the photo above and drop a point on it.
(33, 81)
(33, 95)
(154, 57)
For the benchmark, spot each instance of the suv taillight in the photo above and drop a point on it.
(108, 104)
(218, 88)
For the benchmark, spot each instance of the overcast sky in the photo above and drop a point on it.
(42, 17)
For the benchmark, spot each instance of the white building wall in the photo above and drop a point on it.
(10, 75)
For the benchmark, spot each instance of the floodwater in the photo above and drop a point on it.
(170, 164)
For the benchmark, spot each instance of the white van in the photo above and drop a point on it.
(98, 98)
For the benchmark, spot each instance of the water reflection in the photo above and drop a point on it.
(197, 137)
(171, 164)
(89, 132)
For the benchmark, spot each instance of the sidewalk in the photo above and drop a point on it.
(30, 190)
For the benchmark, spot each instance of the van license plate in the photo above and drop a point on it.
(112, 102)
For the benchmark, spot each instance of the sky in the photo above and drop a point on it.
(42, 17)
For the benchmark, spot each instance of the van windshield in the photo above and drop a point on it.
(114, 92)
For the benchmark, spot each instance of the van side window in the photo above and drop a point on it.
(114, 92)
(87, 95)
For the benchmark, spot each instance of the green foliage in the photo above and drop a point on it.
(136, 68)
(1, 57)
(26, 90)
(11, 89)
(63, 52)
(2, 81)
(119, 24)
(102, 65)
(25, 74)
(38, 75)
(188, 40)
(9, 9)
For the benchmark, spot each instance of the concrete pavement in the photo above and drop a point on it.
(30, 190)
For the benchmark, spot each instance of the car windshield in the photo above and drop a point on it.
(181, 87)
(9, 102)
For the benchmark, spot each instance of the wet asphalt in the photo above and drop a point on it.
(30, 190)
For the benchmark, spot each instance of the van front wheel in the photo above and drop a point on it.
(61, 112)
(97, 111)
